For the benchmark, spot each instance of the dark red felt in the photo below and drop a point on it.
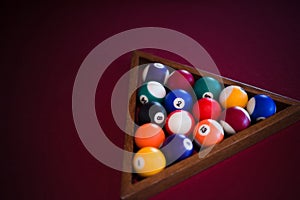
(45, 43)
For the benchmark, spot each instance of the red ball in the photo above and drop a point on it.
(234, 119)
(180, 79)
(206, 108)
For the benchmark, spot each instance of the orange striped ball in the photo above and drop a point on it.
(208, 132)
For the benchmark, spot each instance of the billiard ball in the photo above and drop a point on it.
(260, 107)
(207, 87)
(150, 135)
(180, 122)
(151, 91)
(148, 161)
(233, 95)
(208, 132)
(206, 108)
(234, 119)
(152, 112)
(177, 147)
(180, 79)
(155, 72)
(178, 100)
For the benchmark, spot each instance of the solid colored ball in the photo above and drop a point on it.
(177, 147)
(233, 96)
(155, 72)
(206, 108)
(234, 119)
(208, 132)
(180, 79)
(151, 91)
(148, 161)
(260, 107)
(152, 112)
(149, 135)
(207, 87)
(178, 100)
(180, 122)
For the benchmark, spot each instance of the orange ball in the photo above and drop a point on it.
(233, 96)
(149, 135)
(208, 132)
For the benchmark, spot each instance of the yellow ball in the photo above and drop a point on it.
(233, 96)
(148, 161)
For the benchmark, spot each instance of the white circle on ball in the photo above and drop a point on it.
(180, 123)
(204, 130)
(139, 162)
(260, 118)
(208, 94)
(178, 103)
(144, 99)
(156, 89)
(159, 65)
(187, 144)
(159, 117)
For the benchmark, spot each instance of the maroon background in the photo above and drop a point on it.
(43, 46)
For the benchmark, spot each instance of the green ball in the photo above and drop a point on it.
(207, 87)
(151, 91)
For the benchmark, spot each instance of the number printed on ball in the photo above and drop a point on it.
(139, 162)
(208, 95)
(143, 99)
(179, 103)
(159, 117)
(204, 130)
(187, 144)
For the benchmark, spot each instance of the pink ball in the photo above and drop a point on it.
(180, 79)
(234, 119)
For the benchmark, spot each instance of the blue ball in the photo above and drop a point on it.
(260, 107)
(177, 147)
(156, 72)
(178, 100)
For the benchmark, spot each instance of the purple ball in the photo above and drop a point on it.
(177, 147)
(155, 72)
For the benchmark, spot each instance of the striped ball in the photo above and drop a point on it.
(155, 72)
(233, 96)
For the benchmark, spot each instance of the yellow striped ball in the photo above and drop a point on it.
(233, 96)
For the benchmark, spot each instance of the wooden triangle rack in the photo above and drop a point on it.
(132, 187)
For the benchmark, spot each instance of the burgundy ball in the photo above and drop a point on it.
(180, 79)
(234, 119)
